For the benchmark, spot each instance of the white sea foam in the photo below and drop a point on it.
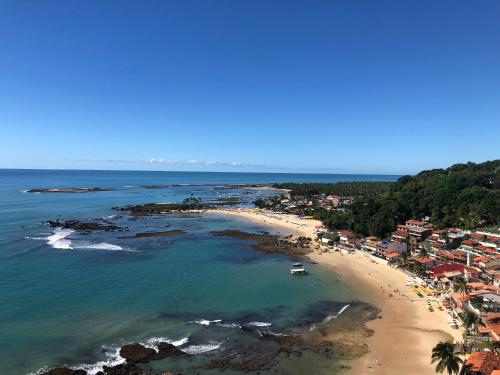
(259, 324)
(100, 246)
(112, 359)
(58, 239)
(204, 348)
(154, 341)
(331, 317)
(206, 322)
(230, 325)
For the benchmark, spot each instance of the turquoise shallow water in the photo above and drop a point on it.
(75, 300)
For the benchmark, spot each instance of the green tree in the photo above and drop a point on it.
(460, 286)
(473, 321)
(446, 358)
(404, 260)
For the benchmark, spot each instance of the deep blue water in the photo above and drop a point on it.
(69, 298)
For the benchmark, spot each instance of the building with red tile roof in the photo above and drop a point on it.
(483, 363)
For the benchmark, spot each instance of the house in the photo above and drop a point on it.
(347, 239)
(370, 244)
(385, 247)
(418, 224)
(483, 363)
(444, 274)
(446, 256)
(492, 325)
(392, 257)
(425, 261)
(400, 236)
(458, 301)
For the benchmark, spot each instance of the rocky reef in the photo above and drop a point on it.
(147, 209)
(67, 190)
(269, 243)
(84, 225)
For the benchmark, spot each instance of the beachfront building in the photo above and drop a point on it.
(347, 239)
(385, 247)
(482, 363)
(370, 244)
(443, 275)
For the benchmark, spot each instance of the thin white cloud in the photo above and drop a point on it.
(195, 164)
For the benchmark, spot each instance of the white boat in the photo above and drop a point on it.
(298, 271)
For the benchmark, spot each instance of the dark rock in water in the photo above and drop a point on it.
(156, 186)
(125, 369)
(187, 204)
(83, 225)
(136, 353)
(269, 243)
(65, 371)
(166, 350)
(67, 190)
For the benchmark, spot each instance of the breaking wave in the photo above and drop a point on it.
(58, 239)
(205, 322)
(259, 324)
(329, 318)
(203, 348)
(100, 246)
(154, 341)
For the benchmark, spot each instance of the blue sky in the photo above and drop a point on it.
(328, 86)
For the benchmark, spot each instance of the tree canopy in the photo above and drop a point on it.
(463, 195)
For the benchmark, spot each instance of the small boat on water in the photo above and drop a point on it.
(298, 269)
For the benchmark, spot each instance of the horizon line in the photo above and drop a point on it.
(187, 171)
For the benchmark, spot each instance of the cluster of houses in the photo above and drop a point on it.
(442, 257)
(331, 202)
(300, 203)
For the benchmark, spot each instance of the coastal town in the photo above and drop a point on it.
(451, 270)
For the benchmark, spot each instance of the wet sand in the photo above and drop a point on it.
(406, 333)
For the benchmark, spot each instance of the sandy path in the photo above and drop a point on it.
(406, 333)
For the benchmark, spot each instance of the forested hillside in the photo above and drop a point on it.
(351, 189)
(463, 195)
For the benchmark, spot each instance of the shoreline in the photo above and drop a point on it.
(406, 332)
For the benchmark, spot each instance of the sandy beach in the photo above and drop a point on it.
(406, 332)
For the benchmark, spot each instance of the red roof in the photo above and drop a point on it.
(423, 260)
(469, 242)
(480, 237)
(400, 233)
(483, 362)
(481, 258)
(391, 255)
(439, 271)
(460, 297)
(416, 222)
(346, 233)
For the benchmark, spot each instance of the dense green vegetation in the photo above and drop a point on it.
(345, 189)
(463, 195)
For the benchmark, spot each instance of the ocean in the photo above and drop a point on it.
(72, 298)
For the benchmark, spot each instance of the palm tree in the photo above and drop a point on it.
(404, 260)
(444, 354)
(460, 285)
(423, 252)
(472, 320)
